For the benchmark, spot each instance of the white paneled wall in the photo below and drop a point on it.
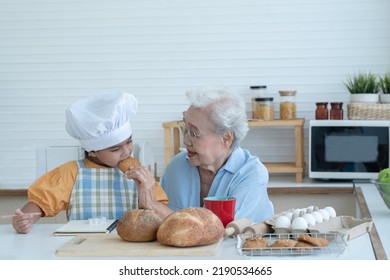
(54, 51)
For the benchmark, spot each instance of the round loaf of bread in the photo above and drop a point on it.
(190, 227)
(125, 164)
(138, 225)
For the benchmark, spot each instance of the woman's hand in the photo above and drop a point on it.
(146, 183)
(146, 191)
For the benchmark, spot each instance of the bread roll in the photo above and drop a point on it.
(190, 227)
(138, 225)
(125, 164)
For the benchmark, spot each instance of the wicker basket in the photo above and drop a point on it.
(368, 111)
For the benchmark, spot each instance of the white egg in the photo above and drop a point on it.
(311, 221)
(302, 212)
(310, 209)
(294, 216)
(282, 222)
(324, 214)
(317, 215)
(297, 210)
(288, 215)
(331, 211)
(299, 223)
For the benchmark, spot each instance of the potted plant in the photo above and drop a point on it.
(363, 87)
(384, 84)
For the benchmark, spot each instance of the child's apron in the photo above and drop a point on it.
(101, 192)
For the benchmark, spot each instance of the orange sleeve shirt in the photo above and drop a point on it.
(52, 191)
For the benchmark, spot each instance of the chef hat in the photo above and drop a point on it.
(101, 121)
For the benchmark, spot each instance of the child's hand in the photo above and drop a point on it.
(22, 222)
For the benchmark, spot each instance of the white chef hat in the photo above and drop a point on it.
(101, 121)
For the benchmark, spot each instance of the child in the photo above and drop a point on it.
(95, 186)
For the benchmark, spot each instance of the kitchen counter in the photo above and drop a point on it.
(376, 207)
(41, 244)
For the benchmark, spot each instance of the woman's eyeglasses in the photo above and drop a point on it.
(189, 131)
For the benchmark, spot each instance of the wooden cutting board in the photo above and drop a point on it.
(111, 245)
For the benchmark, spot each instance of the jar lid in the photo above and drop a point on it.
(287, 92)
(259, 99)
(257, 87)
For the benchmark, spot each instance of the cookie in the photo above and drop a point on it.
(319, 242)
(284, 243)
(255, 243)
(302, 246)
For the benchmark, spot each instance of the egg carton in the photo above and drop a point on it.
(347, 225)
(350, 226)
(296, 219)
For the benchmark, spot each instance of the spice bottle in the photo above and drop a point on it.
(264, 108)
(322, 111)
(288, 109)
(336, 111)
(257, 92)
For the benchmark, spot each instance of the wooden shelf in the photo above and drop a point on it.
(296, 122)
(172, 145)
(13, 192)
(282, 167)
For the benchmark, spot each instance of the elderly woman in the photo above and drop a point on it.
(214, 163)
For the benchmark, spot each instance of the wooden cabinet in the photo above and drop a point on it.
(172, 145)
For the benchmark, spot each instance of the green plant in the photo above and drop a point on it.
(384, 83)
(362, 83)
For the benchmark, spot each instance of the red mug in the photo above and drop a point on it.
(222, 206)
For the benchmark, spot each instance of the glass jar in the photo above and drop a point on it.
(336, 110)
(288, 109)
(322, 111)
(257, 92)
(264, 109)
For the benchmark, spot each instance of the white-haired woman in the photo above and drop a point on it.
(214, 164)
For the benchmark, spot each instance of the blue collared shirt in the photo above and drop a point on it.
(243, 176)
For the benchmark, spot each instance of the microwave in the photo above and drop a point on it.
(348, 149)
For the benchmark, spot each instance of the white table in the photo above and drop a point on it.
(41, 244)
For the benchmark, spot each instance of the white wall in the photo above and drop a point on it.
(54, 51)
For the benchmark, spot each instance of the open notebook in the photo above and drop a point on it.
(76, 227)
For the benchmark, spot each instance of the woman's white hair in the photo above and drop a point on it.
(226, 107)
